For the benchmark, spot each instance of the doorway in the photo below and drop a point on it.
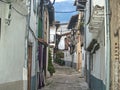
(29, 63)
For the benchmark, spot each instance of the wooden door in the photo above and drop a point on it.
(29, 65)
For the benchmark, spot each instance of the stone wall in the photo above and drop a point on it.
(115, 39)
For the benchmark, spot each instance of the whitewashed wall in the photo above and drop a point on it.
(98, 2)
(52, 35)
(83, 60)
(99, 57)
(12, 47)
(89, 35)
(67, 56)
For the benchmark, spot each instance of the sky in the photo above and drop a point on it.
(64, 6)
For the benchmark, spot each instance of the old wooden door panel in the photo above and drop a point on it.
(29, 65)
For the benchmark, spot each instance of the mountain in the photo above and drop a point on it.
(64, 6)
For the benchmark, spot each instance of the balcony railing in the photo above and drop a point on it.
(97, 19)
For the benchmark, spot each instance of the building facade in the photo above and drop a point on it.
(113, 21)
(96, 43)
(13, 46)
(76, 41)
(24, 36)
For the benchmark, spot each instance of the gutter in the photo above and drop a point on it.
(107, 44)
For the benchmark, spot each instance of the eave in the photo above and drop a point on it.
(80, 4)
(73, 21)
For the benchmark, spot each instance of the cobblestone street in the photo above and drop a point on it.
(65, 78)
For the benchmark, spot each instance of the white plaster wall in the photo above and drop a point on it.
(52, 33)
(99, 58)
(102, 55)
(75, 58)
(99, 64)
(89, 36)
(96, 64)
(83, 60)
(102, 63)
(12, 47)
(67, 56)
(63, 29)
(83, 57)
(87, 57)
(98, 2)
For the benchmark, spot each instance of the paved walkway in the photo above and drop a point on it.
(65, 78)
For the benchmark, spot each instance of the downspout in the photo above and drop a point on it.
(85, 53)
(90, 2)
(85, 34)
(107, 44)
(36, 51)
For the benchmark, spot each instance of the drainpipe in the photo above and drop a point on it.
(107, 44)
(36, 51)
(90, 2)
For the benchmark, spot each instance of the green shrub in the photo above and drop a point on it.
(51, 68)
(60, 62)
(59, 54)
(58, 59)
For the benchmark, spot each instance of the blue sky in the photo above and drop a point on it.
(64, 6)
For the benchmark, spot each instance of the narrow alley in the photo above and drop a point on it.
(65, 78)
(59, 44)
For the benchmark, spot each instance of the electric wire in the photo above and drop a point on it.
(18, 12)
(5, 1)
(65, 11)
(13, 8)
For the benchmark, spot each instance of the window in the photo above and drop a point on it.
(0, 27)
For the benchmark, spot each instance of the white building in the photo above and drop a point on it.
(52, 35)
(24, 65)
(96, 45)
(13, 45)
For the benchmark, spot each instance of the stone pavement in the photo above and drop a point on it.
(65, 78)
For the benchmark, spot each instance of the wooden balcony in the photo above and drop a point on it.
(97, 19)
